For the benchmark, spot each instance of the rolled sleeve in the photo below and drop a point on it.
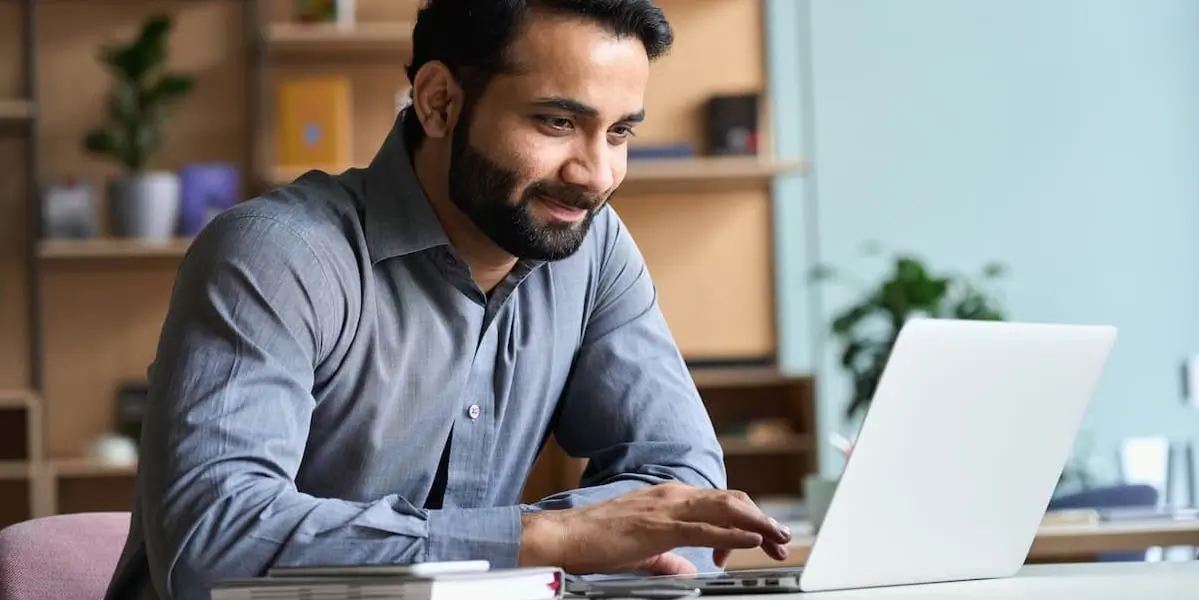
(465, 534)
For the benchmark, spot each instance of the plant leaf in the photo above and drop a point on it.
(849, 319)
(100, 142)
(170, 87)
(994, 270)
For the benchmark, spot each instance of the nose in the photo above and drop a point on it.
(591, 167)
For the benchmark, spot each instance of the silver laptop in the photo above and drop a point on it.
(957, 458)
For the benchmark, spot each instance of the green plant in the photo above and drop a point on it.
(142, 94)
(868, 328)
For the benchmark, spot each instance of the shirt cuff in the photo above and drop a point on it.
(491, 534)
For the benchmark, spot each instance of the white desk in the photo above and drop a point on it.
(1073, 543)
(1091, 581)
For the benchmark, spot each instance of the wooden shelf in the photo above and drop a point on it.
(333, 37)
(86, 467)
(14, 469)
(108, 248)
(16, 399)
(16, 110)
(710, 168)
(728, 377)
(736, 446)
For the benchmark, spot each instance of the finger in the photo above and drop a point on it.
(720, 556)
(713, 536)
(776, 551)
(730, 511)
(668, 563)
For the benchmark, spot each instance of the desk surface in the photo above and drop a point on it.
(1052, 541)
(1093, 581)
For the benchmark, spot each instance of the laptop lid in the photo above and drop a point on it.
(959, 453)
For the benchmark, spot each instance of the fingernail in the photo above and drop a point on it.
(784, 551)
(782, 529)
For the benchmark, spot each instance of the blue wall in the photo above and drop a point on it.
(1061, 138)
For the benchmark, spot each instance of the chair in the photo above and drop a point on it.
(65, 557)
(1114, 497)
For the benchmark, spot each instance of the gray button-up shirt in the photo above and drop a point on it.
(325, 346)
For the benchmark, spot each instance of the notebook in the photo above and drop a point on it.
(532, 583)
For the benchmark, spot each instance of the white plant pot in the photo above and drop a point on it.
(145, 206)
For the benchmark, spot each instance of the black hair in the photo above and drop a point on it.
(472, 37)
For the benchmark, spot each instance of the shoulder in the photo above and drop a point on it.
(313, 220)
(613, 252)
(303, 231)
(315, 211)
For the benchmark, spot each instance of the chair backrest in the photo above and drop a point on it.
(65, 557)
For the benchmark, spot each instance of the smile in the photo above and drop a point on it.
(561, 211)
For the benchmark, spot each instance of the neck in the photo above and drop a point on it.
(489, 263)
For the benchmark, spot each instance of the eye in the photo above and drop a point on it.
(622, 132)
(556, 123)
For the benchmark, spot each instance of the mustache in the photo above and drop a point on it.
(566, 195)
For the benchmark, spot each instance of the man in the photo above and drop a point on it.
(362, 368)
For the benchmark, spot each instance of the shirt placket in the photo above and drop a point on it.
(475, 425)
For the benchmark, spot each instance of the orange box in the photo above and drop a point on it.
(314, 124)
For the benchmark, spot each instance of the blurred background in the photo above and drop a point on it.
(1012, 159)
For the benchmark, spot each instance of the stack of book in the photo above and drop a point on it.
(430, 581)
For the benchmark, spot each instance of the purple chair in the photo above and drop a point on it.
(64, 557)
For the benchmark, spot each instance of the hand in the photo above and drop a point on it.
(636, 531)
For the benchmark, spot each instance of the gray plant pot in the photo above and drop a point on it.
(144, 206)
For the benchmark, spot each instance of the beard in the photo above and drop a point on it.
(484, 191)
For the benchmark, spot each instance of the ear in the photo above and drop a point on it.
(436, 98)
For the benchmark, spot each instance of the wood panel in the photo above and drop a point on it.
(14, 329)
(102, 324)
(710, 256)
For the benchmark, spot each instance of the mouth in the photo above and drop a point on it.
(560, 211)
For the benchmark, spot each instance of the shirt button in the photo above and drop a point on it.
(473, 411)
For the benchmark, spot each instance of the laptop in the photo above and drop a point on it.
(955, 463)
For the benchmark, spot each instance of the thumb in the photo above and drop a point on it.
(668, 563)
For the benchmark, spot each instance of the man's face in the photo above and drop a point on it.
(539, 152)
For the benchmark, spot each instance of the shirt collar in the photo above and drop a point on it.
(399, 218)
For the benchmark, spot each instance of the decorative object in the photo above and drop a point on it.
(207, 189)
(144, 203)
(114, 450)
(867, 329)
(342, 12)
(69, 210)
(679, 150)
(316, 11)
(314, 122)
(132, 397)
(732, 124)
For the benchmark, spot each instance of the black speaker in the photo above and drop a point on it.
(733, 125)
(131, 406)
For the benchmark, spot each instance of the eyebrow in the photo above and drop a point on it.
(573, 106)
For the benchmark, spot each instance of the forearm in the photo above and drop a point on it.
(268, 523)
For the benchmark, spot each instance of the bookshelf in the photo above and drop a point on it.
(111, 248)
(390, 37)
(97, 304)
(15, 111)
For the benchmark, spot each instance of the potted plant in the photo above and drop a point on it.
(867, 329)
(143, 202)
